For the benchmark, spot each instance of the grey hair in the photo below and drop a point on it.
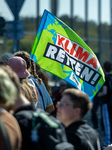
(8, 91)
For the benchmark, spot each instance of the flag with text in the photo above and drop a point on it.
(60, 51)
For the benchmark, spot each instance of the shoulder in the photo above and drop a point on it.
(9, 119)
(11, 124)
(78, 128)
(24, 115)
(80, 133)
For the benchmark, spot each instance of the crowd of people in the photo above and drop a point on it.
(27, 106)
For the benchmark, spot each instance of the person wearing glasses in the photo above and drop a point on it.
(71, 110)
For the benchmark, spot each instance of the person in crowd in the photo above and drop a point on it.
(39, 129)
(5, 57)
(41, 74)
(104, 96)
(44, 99)
(71, 110)
(19, 66)
(8, 94)
(95, 108)
(4, 137)
(57, 94)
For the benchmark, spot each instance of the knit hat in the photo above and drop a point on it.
(18, 64)
(5, 57)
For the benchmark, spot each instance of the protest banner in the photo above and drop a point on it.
(60, 51)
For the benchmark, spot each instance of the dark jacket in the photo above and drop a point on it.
(40, 130)
(82, 136)
(105, 99)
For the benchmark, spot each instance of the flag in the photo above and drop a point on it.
(60, 51)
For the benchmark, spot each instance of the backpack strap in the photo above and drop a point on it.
(5, 134)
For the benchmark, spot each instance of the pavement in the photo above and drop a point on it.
(99, 129)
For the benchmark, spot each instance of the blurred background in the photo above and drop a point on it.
(91, 20)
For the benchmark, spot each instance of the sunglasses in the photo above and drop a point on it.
(63, 104)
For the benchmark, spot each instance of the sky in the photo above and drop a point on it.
(29, 9)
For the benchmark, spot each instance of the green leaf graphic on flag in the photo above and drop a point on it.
(60, 51)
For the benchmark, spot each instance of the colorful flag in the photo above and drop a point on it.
(60, 51)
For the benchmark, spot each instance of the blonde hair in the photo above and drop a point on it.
(28, 91)
(8, 91)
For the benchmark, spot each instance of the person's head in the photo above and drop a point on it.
(73, 106)
(107, 66)
(13, 76)
(25, 56)
(5, 57)
(23, 91)
(8, 90)
(19, 66)
(30, 63)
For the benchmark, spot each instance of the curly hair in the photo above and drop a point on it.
(43, 76)
(30, 63)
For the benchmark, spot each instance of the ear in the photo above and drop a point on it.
(77, 111)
